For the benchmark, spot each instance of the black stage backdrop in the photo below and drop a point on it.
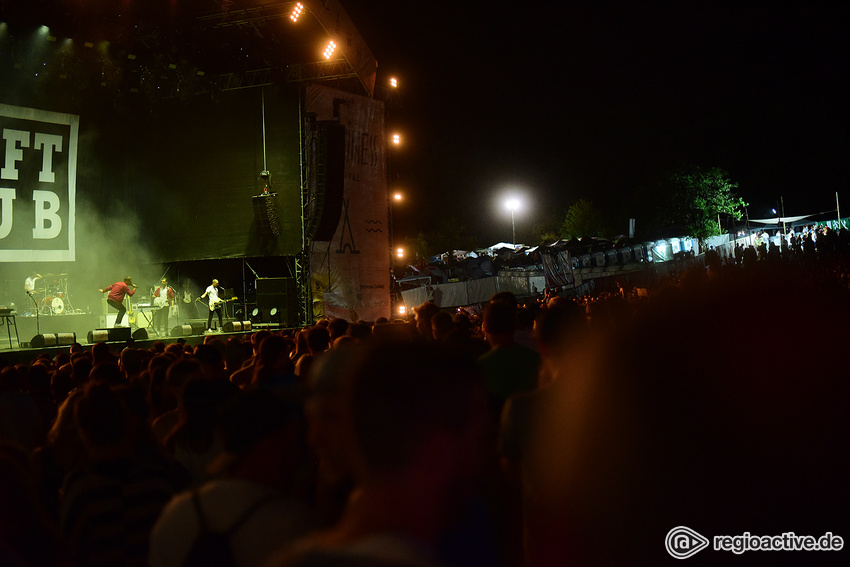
(177, 177)
(192, 169)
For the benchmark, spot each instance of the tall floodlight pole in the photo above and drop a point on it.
(513, 204)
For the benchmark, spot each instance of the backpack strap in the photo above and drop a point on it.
(196, 501)
(263, 500)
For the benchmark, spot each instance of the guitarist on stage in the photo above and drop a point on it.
(215, 304)
(163, 299)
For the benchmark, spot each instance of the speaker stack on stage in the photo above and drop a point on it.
(277, 301)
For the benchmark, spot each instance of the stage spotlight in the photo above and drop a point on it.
(393, 82)
(296, 11)
(329, 50)
(53, 339)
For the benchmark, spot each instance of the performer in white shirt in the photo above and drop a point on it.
(163, 300)
(29, 283)
(215, 304)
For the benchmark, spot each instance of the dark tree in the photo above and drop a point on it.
(694, 198)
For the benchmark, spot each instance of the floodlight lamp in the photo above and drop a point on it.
(512, 204)
(393, 82)
(329, 50)
(397, 197)
(400, 252)
(296, 11)
(402, 310)
(396, 139)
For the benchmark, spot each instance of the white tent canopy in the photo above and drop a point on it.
(777, 220)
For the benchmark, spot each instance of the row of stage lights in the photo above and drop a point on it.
(296, 13)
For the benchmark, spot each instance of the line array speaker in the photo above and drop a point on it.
(265, 213)
(330, 178)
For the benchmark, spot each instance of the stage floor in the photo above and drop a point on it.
(20, 351)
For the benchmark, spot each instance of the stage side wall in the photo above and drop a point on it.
(350, 273)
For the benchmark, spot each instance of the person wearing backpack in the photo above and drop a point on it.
(247, 511)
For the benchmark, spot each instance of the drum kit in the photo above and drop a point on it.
(54, 299)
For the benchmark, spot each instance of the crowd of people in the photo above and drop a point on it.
(553, 433)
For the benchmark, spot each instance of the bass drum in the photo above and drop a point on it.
(57, 305)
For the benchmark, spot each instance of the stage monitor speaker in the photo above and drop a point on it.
(195, 328)
(109, 335)
(140, 334)
(53, 339)
(330, 177)
(236, 326)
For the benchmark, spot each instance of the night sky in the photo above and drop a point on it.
(596, 100)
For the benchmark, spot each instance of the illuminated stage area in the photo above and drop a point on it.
(146, 143)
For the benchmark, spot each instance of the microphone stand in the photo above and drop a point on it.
(37, 325)
(245, 314)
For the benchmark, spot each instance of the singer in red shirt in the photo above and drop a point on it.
(117, 291)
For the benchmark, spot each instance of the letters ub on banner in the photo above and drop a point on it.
(37, 185)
